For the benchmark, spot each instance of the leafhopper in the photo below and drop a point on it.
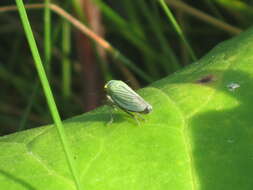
(119, 94)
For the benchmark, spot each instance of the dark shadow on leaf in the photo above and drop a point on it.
(17, 180)
(99, 117)
(222, 139)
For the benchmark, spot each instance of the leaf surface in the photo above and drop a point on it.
(198, 137)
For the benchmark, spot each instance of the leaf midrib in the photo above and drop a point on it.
(185, 138)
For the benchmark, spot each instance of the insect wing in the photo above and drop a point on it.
(127, 99)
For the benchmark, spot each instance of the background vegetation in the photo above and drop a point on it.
(77, 67)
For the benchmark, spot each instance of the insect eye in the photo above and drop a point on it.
(150, 108)
(147, 110)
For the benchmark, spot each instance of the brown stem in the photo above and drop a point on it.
(66, 16)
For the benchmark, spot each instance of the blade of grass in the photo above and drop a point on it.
(118, 56)
(166, 49)
(11, 64)
(156, 11)
(17, 82)
(20, 84)
(114, 52)
(78, 9)
(133, 17)
(47, 33)
(85, 30)
(214, 9)
(135, 36)
(205, 17)
(107, 46)
(237, 5)
(28, 107)
(48, 92)
(177, 28)
(66, 67)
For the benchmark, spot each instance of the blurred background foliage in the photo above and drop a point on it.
(77, 67)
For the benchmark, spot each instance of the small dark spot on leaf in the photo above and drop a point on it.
(206, 79)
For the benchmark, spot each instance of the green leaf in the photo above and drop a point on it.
(199, 135)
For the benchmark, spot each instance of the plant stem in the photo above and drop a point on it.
(48, 92)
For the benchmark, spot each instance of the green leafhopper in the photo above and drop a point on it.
(121, 95)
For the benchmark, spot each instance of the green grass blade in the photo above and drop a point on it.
(135, 36)
(28, 107)
(117, 55)
(132, 12)
(78, 9)
(47, 91)
(157, 30)
(66, 67)
(215, 10)
(177, 28)
(47, 33)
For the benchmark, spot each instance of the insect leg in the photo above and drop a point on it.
(112, 107)
(132, 115)
(139, 115)
(111, 116)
